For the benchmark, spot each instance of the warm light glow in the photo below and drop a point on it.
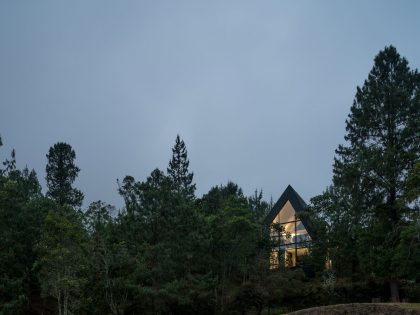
(288, 237)
(328, 264)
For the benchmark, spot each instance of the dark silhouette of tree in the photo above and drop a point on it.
(182, 179)
(61, 173)
(259, 207)
(22, 211)
(382, 148)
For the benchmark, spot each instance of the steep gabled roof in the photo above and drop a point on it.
(298, 205)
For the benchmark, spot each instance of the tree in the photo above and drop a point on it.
(145, 230)
(178, 169)
(10, 164)
(335, 230)
(234, 236)
(165, 236)
(61, 173)
(169, 240)
(63, 258)
(108, 260)
(22, 210)
(259, 207)
(413, 186)
(128, 190)
(406, 259)
(382, 148)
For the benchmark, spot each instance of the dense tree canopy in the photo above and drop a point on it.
(168, 251)
(22, 209)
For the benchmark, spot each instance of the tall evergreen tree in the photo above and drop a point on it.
(182, 179)
(61, 173)
(382, 148)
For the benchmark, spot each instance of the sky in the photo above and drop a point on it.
(258, 90)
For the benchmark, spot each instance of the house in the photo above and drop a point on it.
(290, 230)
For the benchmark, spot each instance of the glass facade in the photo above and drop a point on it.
(289, 238)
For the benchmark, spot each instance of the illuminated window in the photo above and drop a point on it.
(288, 232)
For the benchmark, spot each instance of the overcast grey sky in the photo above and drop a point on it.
(259, 90)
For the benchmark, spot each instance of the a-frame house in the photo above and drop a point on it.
(290, 230)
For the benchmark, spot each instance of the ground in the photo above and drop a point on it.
(363, 309)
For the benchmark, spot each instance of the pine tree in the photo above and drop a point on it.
(382, 148)
(61, 173)
(182, 179)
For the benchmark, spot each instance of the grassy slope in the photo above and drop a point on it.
(362, 309)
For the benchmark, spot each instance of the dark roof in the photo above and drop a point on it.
(297, 203)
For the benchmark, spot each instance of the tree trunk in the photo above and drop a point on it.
(66, 303)
(394, 287)
(59, 302)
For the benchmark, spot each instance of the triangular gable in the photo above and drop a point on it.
(298, 205)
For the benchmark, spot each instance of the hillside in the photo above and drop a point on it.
(363, 309)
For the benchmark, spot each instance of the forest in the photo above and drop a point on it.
(169, 251)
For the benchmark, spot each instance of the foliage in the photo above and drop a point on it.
(336, 229)
(165, 237)
(412, 186)
(181, 178)
(259, 207)
(22, 210)
(406, 259)
(106, 262)
(370, 210)
(234, 239)
(169, 252)
(61, 173)
(62, 258)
